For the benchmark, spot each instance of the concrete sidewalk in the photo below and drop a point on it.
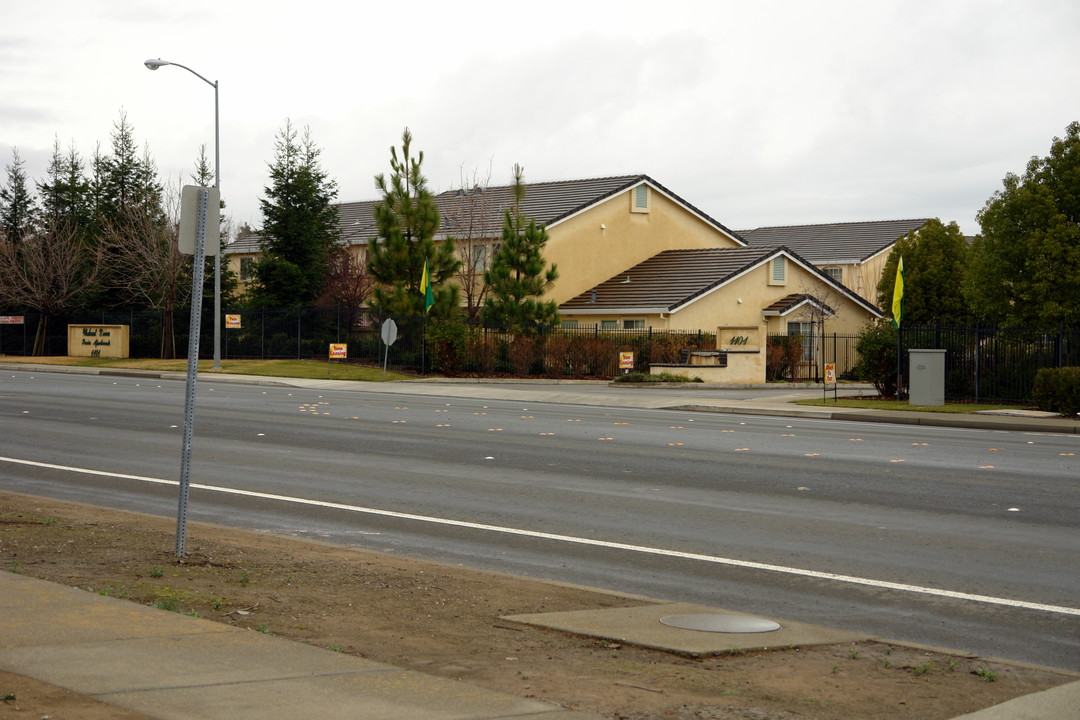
(172, 666)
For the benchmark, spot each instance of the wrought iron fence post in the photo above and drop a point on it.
(978, 354)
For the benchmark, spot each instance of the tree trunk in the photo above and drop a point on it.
(40, 335)
(168, 336)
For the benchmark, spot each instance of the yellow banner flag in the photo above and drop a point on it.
(898, 294)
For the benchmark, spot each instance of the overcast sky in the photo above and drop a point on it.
(759, 113)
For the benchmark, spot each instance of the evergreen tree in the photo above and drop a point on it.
(125, 198)
(124, 181)
(935, 256)
(204, 177)
(407, 220)
(299, 224)
(65, 194)
(1025, 262)
(17, 207)
(517, 278)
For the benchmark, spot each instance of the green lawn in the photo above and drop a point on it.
(878, 404)
(310, 369)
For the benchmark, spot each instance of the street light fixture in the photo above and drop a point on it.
(153, 64)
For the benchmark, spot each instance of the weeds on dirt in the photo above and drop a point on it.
(924, 669)
(986, 674)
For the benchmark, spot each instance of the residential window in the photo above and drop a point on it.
(479, 257)
(806, 331)
(777, 271)
(837, 274)
(639, 199)
(609, 324)
(633, 324)
(247, 268)
(569, 324)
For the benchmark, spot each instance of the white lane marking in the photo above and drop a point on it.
(850, 579)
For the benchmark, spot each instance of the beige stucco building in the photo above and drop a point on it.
(631, 254)
(852, 253)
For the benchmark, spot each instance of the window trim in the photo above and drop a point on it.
(778, 270)
(640, 198)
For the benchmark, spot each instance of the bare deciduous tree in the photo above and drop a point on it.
(148, 265)
(347, 285)
(48, 271)
(468, 218)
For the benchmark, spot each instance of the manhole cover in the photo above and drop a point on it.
(720, 623)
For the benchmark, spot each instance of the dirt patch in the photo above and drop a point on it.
(445, 620)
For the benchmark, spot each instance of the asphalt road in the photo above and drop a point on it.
(958, 538)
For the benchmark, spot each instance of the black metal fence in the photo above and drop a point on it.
(984, 363)
(814, 350)
(420, 346)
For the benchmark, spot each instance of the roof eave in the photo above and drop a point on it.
(615, 311)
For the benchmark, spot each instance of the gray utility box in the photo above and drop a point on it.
(926, 377)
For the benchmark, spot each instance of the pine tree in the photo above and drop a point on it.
(204, 177)
(125, 198)
(518, 277)
(17, 206)
(65, 194)
(125, 183)
(407, 220)
(299, 224)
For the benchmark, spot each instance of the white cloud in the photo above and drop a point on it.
(768, 113)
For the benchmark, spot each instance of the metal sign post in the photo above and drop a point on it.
(388, 335)
(830, 379)
(200, 223)
(337, 350)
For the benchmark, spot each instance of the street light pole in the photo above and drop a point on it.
(154, 65)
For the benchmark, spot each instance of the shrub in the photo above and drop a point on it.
(446, 344)
(782, 356)
(661, 378)
(1058, 390)
(876, 349)
(591, 356)
(521, 354)
(556, 352)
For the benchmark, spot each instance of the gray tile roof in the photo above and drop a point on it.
(669, 279)
(547, 202)
(674, 278)
(789, 303)
(834, 242)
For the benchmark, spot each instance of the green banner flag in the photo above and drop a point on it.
(425, 287)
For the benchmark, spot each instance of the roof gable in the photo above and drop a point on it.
(834, 242)
(790, 303)
(673, 279)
